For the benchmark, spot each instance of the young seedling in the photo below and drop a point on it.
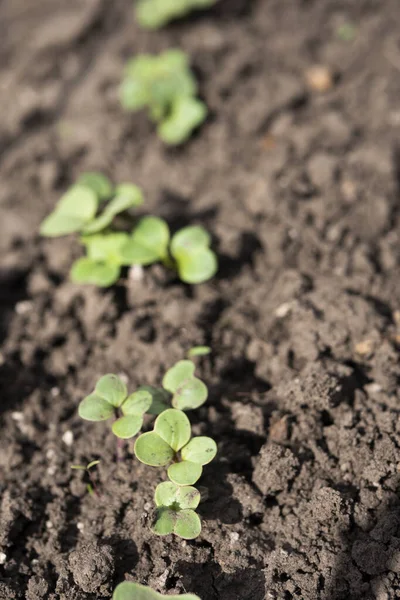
(176, 507)
(153, 14)
(198, 351)
(166, 86)
(188, 251)
(170, 444)
(92, 486)
(109, 399)
(188, 392)
(134, 591)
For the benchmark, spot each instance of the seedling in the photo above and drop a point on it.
(198, 351)
(134, 591)
(176, 510)
(188, 251)
(166, 86)
(170, 444)
(91, 487)
(109, 399)
(153, 14)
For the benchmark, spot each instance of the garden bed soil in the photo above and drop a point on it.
(300, 189)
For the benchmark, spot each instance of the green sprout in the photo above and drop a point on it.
(109, 399)
(166, 86)
(134, 591)
(153, 14)
(170, 444)
(91, 487)
(188, 392)
(188, 251)
(176, 510)
(198, 351)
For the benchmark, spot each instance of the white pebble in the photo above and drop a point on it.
(123, 377)
(49, 525)
(283, 310)
(135, 273)
(147, 506)
(3, 558)
(51, 471)
(234, 536)
(50, 453)
(17, 416)
(55, 392)
(80, 526)
(23, 307)
(68, 438)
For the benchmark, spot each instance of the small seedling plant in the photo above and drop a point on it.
(134, 591)
(169, 444)
(90, 208)
(165, 85)
(153, 14)
(92, 486)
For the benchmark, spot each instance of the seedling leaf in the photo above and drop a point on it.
(186, 115)
(134, 591)
(200, 450)
(178, 375)
(188, 524)
(95, 408)
(197, 267)
(185, 472)
(76, 208)
(165, 521)
(190, 395)
(177, 498)
(199, 351)
(111, 388)
(137, 403)
(153, 14)
(173, 427)
(106, 247)
(87, 270)
(160, 399)
(188, 497)
(127, 426)
(148, 243)
(152, 450)
(190, 239)
(99, 183)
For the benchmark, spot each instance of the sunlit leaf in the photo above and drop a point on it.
(127, 426)
(76, 208)
(134, 591)
(200, 450)
(148, 242)
(137, 403)
(95, 408)
(179, 374)
(152, 450)
(111, 388)
(185, 472)
(99, 183)
(187, 525)
(173, 427)
(87, 270)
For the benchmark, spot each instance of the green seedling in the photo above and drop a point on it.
(91, 487)
(188, 392)
(134, 591)
(78, 211)
(346, 32)
(170, 444)
(153, 14)
(109, 399)
(166, 86)
(198, 351)
(176, 507)
(188, 251)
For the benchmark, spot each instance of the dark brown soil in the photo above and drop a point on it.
(301, 191)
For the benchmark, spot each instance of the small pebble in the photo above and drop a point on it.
(17, 416)
(135, 273)
(234, 536)
(80, 526)
(124, 377)
(50, 453)
(23, 307)
(55, 392)
(3, 558)
(51, 471)
(68, 438)
(319, 78)
(365, 347)
(283, 310)
(49, 525)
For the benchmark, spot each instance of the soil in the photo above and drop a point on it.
(300, 189)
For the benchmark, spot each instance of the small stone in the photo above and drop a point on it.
(17, 416)
(123, 377)
(283, 310)
(136, 273)
(55, 392)
(21, 308)
(68, 438)
(80, 526)
(49, 525)
(319, 78)
(3, 558)
(365, 347)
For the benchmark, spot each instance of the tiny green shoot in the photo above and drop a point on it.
(188, 392)
(153, 14)
(91, 486)
(176, 510)
(134, 591)
(170, 444)
(198, 351)
(165, 85)
(110, 399)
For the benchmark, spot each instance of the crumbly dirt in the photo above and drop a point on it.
(300, 189)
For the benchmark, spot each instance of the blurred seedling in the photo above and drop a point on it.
(198, 351)
(134, 591)
(169, 444)
(176, 506)
(153, 14)
(165, 85)
(188, 252)
(346, 32)
(91, 486)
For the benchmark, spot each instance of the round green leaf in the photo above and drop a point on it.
(73, 211)
(95, 408)
(199, 351)
(200, 450)
(187, 525)
(177, 375)
(165, 521)
(133, 94)
(165, 494)
(175, 497)
(137, 403)
(148, 242)
(87, 270)
(130, 191)
(98, 183)
(189, 239)
(188, 497)
(134, 591)
(197, 267)
(106, 247)
(152, 450)
(173, 427)
(111, 388)
(187, 113)
(185, 472)
(160, 399)
(190, 395)
(127, 427)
